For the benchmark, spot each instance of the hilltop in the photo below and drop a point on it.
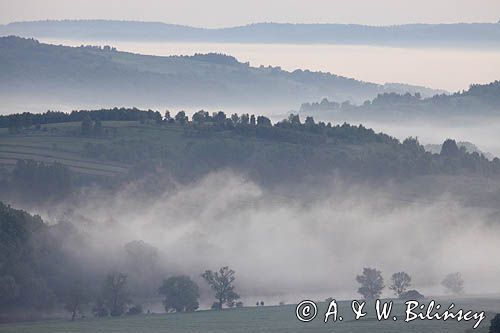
(33, 72)
(478, 100)
(458, 34)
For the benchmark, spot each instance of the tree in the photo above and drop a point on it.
(401, 281)
(450, 148)
(86, 125)
(244, 119)
(309, 122)
(180, 117)
(294, 120)
(97, 127)
(167, 116)
(181, 294)
(9, 290)
(453, 283)
(495, 324)
(372, 283)
(222, 283)
(263, 121)
(75, 298)
(114, 293)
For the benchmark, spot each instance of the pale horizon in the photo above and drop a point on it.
(238, 13)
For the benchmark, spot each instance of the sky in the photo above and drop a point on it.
(221, 13)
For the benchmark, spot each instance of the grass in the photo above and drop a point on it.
(61, 143)
(272, 319)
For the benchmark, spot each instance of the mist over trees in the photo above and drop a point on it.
(372, 283)
(478, 100)
(400, 282)
(207, 142)
(453, 283)
(181, 294)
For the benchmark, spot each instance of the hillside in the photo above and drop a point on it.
(95, 175)
(478, 100)
(119, 149)
(42, 74)
(478, 34)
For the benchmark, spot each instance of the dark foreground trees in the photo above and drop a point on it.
(495, 324)
(181, 294)
(222, 283)
(372, 283)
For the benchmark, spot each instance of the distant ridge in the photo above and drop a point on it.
(34, 72)
(455, 34)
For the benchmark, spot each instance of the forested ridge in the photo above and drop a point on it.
(43, 73)
(478, 100)
(186, 148)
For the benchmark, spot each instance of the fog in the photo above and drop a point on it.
(309, 243)
(484, 132)
(445, 68)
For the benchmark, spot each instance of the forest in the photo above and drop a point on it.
(478, 100)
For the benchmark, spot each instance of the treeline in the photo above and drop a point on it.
(478, 98)
(291, 129)
(27, 119)
(372, 285)
(283, 152)
(322, 143)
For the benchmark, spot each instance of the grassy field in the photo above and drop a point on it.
(273, 319)
(61, 143)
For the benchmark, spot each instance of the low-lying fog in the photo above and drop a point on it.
(484, 132)
(284, 248)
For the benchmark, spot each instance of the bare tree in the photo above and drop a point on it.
(222, 283)
(76, 296)
(115, 294)
(401, 281)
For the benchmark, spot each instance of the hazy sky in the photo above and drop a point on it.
(218, 13)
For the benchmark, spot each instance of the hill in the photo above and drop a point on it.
(118, 149)
(87, 171)
(460, 34)
(478, 100)
(41, 74)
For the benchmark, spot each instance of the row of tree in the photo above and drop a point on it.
(28, 119)
(372, 284)
(180, 293)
